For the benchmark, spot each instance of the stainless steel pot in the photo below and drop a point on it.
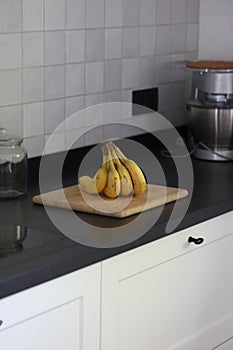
(214, 81)
(212, 126)
(212, 132)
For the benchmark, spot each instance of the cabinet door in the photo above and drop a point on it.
(184, 302)
(61, 314)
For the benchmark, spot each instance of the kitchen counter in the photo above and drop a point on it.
(46, 253)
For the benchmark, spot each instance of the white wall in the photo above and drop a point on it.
(216, 30)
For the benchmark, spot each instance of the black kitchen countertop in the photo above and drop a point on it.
(45, 253)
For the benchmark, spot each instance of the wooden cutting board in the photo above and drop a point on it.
(71, 198)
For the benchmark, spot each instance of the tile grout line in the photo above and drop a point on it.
(22, 66)
(44, 76)
(65, 79)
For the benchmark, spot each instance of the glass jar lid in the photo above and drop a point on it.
(9, 140)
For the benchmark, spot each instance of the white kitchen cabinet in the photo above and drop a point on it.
(61, 314)
(171, 294)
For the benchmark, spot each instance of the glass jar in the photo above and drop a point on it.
(13, 166)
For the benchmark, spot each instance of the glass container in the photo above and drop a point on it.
(13, 166)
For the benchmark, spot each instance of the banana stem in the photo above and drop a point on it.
(115, 157)
(119, 153)
(109, 156)
(105, 155)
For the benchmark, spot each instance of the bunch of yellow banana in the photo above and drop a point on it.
(97, 183)
(118, 175)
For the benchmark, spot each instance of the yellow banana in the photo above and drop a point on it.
(126, 181)
(88, 184)
(98, 182)
(113, 188)
(137, 176)
(101, 175)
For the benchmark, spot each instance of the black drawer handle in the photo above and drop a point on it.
(195, 240)
(1, 322)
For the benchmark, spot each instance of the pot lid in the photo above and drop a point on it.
(202, 66)
(210, 64)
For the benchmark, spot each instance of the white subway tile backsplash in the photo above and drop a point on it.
(75, 138)
(94, 13)
(75, 105)
(10, 16)
(177, 95)
(33, 15)
(192, 37)
(33, 84)
(127, 95)
(76, 121)
(33, 119)
(55, 48)
(94, 136)
(147, 41)
(11, 118)
(54, 82)
(190, 56)
(131, 13)
(54, 14)
(113, 13)
(129, 130)
(94, 77)
(55, 143)
(95, 45)
(147, 12)
(130, 42)
(75, 79)
(54, 116)
(10, 87)
(176, 73)
(33, 49)
(94, 115)
(34, 145)
(192, 11)
(162, 71)
(112, 131)
(10, 51)
(147, 71)
(178, 11)
(75, 14)
(163, 40)
(113, 96)
(75, 46)
(164, 12)
(130, 70)
(178, 38)
(113, 43)
(164, 92)
(112, 75)
(112, 113)
(59, 56)
(92, 100)
(75, 117)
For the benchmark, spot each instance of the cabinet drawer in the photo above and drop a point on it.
(172, 246)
